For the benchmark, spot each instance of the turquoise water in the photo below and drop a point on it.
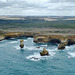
(14, 61)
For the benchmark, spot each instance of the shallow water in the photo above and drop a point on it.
(14, 61)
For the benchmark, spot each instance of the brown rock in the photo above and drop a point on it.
(2, 37)
(21, 43)
(44, 52)
(37, 47)
(62, 46)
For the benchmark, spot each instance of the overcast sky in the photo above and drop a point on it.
(38, 7)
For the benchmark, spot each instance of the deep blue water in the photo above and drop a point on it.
(14, 61)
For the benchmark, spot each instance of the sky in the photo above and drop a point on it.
(38, 7)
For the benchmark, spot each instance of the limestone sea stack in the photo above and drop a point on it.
(62, 45)
(44, 52)
(21, 43)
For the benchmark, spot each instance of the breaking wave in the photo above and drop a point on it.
(37, 56)
(71, 54)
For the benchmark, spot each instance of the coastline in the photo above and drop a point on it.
(19, 32)
(2, 37)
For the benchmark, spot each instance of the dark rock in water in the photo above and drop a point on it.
(21, 43)
(44, 52)
(34, 58)
(62, 46)
(71, 41)
(37, 47)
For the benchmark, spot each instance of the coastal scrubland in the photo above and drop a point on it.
(43, 24)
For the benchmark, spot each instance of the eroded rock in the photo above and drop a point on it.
(2, 37)
(37, 47)
(21, 43)
(62, 45)
(71, 41)
(44, 52)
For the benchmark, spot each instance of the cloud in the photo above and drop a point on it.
(3, 1)
(38, 7)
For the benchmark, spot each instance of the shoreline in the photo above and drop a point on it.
(31, 32)
(42, 36)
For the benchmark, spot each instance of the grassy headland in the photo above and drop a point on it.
(43, 24)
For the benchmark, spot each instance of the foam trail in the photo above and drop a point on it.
(17, 47)
(37, 56)
(51, 50)
(71, 54)
(12, 38)
(13, 42)
(3, 41)
(25, 40)
(33, 48)
(29, 38)
(44, 45)
(72, 47)
(28, 48)
(34, 57)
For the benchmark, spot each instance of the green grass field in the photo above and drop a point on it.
(36, 22)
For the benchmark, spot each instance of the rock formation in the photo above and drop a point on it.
(61, 40)
(19, 34)
(70, 41)
(39, 38)
(44, 52)
(61, 46)
(2, 37)
(21, 43)
(37, 47)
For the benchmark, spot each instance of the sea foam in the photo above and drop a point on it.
(71, 54)
(37, 56)
(13, 42)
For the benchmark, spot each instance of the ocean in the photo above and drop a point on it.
(27, 61)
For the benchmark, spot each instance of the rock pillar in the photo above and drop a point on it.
(21, 43)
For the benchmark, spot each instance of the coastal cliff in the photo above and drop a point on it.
(19, 34)
(60, 39)
(39, 38)
(16, 35)
(2, 37)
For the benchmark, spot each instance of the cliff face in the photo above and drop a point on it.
(49, 38)
(38, 38)
(62, 40)
(2, 37)
(19, 34)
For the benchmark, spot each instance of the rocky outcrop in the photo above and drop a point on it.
(8, 35)
(44, 52)
(19, 34)
(2, 37)
(70, 41)
(62, 46)
(39, 38)
(62, 40)
(21, 43)
(48, 38)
